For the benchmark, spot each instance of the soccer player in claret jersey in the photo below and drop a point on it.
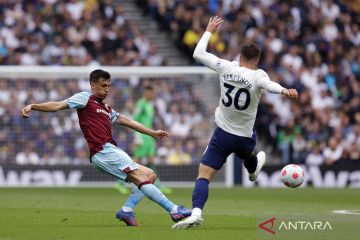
(95, 119)
(241, 85)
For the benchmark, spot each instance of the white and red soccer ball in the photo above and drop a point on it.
(292, 175)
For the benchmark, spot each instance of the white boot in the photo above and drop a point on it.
(261, 158)
(192, 221)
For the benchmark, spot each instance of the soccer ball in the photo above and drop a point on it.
(292, 175)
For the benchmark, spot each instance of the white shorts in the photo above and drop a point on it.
(114, 161)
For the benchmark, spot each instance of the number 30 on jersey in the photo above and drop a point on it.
(229, 101)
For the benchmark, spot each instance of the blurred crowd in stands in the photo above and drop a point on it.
(310, 45)
(56, 138)
(71, 32)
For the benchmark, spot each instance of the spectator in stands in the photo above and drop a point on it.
(354, 154)
(332, 152)
(28, 156)
(178, 157)
(298, 146)
(315, 158)
(180, 128)
(286, 138)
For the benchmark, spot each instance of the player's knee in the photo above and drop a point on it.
(152, 176)
(137, 176)
(206, 172)
(204, 176)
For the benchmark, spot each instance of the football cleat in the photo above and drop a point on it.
(127, 217)
(182, 212)
(261, 158)
(192, 221)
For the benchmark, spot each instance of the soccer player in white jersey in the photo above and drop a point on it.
(241, 85)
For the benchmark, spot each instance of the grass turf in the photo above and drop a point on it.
(89, 213)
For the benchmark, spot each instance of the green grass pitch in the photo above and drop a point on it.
(89, 213)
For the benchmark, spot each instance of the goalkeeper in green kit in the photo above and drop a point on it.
(145, 145)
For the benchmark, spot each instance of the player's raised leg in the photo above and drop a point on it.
(254, 169)
(245, 151)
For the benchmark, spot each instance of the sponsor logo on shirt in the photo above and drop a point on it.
(103, 111)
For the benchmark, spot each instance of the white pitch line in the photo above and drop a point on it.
(349, 212)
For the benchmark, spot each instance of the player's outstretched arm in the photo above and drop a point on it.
(128, 122)
(265, 83)
(200, 53)
(44, 107)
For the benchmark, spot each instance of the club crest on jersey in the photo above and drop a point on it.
(103, 111)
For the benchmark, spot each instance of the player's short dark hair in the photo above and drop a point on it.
(97, 74)
(148, 87)
(250, 51)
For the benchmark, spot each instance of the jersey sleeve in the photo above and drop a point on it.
(79, 100)
(114, 116)
(264, 82)
(209, 60)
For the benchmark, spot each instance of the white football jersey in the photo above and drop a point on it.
(240, 91)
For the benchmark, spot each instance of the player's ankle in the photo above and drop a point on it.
(174, 209)
(196, 212)
(127, 209)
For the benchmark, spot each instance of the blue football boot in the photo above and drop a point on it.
(182, 212)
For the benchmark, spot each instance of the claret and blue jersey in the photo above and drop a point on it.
(95, 119)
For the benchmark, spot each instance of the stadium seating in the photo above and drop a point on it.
(71, 33)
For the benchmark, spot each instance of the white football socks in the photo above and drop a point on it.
(196, 212)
